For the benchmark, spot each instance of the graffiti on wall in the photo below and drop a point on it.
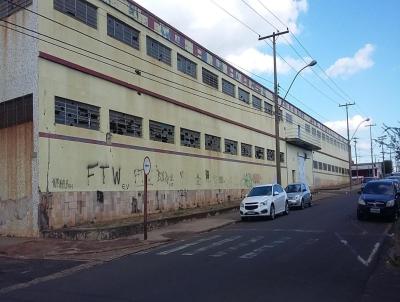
(62, 183)
(251, 179)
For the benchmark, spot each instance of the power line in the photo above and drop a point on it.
(344, 95)
(166, 69)
(130, 71)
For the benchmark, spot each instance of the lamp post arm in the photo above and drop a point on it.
(287, 91)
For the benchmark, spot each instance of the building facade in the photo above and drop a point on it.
(92, 87)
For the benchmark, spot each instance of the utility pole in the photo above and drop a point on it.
(372, 156)
(276, 105)
(355, 151)
(348, 139)
(381, 142)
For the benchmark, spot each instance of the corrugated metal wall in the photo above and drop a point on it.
(16, 147)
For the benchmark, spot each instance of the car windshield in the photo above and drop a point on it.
(260, 191)
(293, 188)
(378, 188)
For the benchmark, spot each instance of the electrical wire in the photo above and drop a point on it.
(73, 29)
(131, 71)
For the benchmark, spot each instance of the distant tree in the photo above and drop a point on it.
(394, 139)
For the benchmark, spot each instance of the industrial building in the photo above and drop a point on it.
(89, 88)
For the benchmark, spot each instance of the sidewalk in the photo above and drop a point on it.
(191, 222)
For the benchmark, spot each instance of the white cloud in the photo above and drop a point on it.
(340, 126)
(348, 66)
(256, 61)
(208, 25)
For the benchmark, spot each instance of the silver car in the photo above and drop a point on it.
(299, 195)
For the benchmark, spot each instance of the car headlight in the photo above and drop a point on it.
(297, 197)
(263, 203)
(242, 205)
(390, 203)
(361, 201)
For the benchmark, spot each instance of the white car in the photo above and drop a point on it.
(264, 200)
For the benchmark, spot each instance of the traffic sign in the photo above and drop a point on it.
(146, 165)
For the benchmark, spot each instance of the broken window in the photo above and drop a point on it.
(246, 150)
(79, 9)
(73, 113)
(7, 8)
(186, 66)
(228, 88)
(230, 147)
(212, 143)
(270, 154)
(268, 108)
(122, 32)
(161, 132)
(125, 124)
(209, 78)
(259, 152)
(158, 50)
(190, 138)
(256, 102)
(244, 96)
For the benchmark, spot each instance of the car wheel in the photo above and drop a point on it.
(286, 208)
(310, 202)
(302, 204)
(272, 212)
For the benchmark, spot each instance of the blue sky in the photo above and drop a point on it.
(355, 42)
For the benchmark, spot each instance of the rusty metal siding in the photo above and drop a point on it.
(16, 148)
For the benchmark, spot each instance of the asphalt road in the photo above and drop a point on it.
(321, 253)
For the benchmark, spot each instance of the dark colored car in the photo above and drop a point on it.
(366, 180)
(379, 198)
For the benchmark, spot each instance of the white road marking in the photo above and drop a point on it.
(212, 245)
(154, 249)
(182, 247)
(236, 247)
(259, 250)
(298, 230)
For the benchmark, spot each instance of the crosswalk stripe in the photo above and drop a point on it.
(182, 247)
(262, 248)
(236, 247)
(212, 245)
(257, 251)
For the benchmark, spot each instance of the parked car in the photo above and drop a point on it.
(299, 195)
(366, 180)
(379, 197)
(264, 200)
(396, 180)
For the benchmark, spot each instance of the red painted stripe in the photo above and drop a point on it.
(140, 148)
(105, 77)
(116, 81)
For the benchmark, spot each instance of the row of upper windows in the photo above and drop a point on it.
(77, 114)
(330, 168)
(325, 137)
(87, 13)
(7, 7)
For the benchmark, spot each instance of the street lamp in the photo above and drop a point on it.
(312, 63)
(355, 131)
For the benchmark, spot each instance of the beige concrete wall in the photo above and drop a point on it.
(76, 163)
(19, 197)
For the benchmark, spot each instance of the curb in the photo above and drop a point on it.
(114, 232)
